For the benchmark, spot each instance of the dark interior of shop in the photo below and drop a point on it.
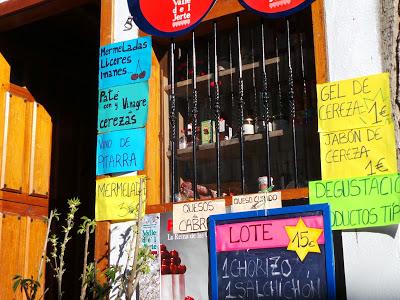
(56, 58)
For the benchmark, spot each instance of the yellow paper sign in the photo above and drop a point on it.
(358, 152)
(303, 239)
(117, 198)
(354, 103)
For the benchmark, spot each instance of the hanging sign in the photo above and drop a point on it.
(275, 8)
(123, 107)
(125, 62)
(192, 216)
(283, 253)
(120, 151)
(358, 152)
(354, 103)
(117, 198)
(168, 18)
(256, 201)
(359, 202)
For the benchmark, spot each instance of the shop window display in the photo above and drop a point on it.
(293, 161)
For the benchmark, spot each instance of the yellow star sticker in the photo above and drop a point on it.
(303, 239)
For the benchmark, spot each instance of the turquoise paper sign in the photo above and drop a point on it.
(123, 107)
(121, 151)
(125, 62)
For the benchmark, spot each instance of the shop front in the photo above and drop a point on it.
(242, 117)
(250, 147)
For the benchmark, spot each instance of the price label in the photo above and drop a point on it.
(303, 239)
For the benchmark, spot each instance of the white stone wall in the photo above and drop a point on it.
(358, 44)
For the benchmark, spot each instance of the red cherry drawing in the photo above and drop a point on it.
(165, 269)
(173, 269)
(165, 261)
(175, 260)
(182, 269)
(165, 254)
(142, 74)
(163, 247)
(189, 298)
(174, 253)
(135, 76)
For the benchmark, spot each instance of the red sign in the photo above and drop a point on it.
(275, 8)
(168, 18)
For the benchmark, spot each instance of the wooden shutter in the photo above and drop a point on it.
(25, 154)
(40, 152)
(16, 144)
(21, 246)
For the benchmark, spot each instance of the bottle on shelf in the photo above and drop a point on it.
(207, 132)
(182, 140)
(189, 135)
(222, 129)
(225, 131)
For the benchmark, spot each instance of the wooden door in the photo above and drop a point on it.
(25, 158)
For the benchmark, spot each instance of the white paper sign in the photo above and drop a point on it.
(256, 201)
(192, 216)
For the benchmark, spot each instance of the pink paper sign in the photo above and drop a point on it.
(261, 234)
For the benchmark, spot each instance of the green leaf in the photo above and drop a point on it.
(17, 282)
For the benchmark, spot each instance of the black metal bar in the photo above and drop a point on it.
(217, 109)
(209, 109)
(233, 105)
(253, 77)
(187, 94)
(292, 106)
(279, 112)
(306, 112)
(241, 105)
(194, 118)
(172, 119)
(267, 106)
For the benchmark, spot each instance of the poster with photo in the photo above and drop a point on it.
(120, 241)
(184, 263)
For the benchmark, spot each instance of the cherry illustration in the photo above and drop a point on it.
(174, 253)
(173, 268)
(175, 260)
(182, 269)
(135, 76)
(165, 269)
(142, 74)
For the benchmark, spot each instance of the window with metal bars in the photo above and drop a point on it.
(241, 104)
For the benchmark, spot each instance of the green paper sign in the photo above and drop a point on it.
(359, 202)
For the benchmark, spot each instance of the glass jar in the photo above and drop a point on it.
(248, 126)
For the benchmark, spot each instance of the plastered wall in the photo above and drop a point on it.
(355, 48)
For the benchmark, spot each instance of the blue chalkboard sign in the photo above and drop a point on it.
(120, 151)
(125, 62)
(282, 253)
(123, 107)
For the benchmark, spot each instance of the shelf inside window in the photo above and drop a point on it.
(229, 148)
(223, 72)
